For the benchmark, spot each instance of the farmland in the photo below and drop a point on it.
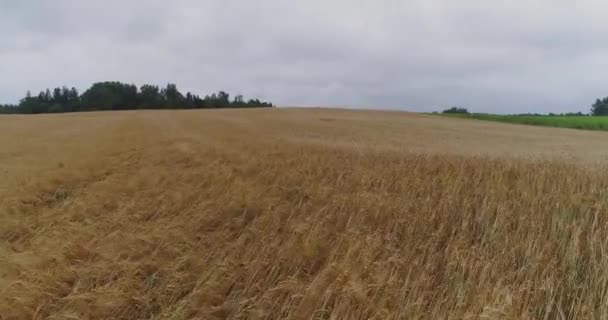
(573, 122)
(299, 214)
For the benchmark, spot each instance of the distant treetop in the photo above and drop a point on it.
(121, 96)
(456, 110)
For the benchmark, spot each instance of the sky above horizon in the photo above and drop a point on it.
(419, 55)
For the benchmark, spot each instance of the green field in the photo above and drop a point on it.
(574, 122)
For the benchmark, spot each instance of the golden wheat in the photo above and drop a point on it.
(299, 214)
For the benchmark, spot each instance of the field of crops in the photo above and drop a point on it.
(574, 122)
(299, 214)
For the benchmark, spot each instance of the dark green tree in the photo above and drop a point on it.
(73, 101)
(150, 97)
(600, 107)
(110, 96)
(223, 99)
(173, 98)
(31, 105)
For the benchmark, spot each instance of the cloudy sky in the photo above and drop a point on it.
(513, 56)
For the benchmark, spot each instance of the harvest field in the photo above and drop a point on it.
(574, 122)
(299, 214)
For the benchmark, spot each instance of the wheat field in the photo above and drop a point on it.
(299, 214)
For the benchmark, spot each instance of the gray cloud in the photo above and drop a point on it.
(521, 56)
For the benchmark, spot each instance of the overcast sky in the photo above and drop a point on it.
(422, 55)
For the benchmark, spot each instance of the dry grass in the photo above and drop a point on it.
(299, 214)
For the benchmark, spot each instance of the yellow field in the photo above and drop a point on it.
(299, 214)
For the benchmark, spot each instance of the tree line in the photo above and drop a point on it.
(599, 108)
(113, 95)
